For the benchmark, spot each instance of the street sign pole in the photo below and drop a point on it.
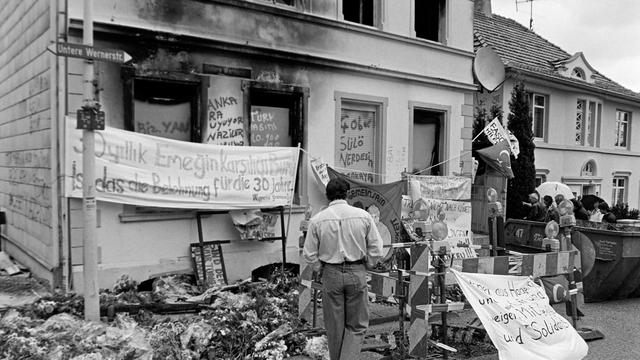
(90, 253)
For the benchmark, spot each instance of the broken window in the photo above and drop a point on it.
(430, 19)
(365, 12)
(164, 108)
(276, 117)
(426, 144)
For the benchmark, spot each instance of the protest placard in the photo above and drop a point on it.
(457, 217)
(320, 173)
(144, 170)
(439, 187)
(495, 131)
(516, 314)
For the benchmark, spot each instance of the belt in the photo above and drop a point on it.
(356, 262)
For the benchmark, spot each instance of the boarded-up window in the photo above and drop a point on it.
(163, 108)
(270, 126)
(224, 124)
(357, 141)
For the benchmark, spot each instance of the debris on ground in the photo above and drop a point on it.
(255, 321)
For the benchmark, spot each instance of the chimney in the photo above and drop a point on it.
(483, 6)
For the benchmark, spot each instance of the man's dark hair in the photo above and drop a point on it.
(337, 189)
(548, 200)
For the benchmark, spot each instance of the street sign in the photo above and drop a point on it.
(89, 52)
(89, 119)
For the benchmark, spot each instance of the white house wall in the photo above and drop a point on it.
(564, 159)
(306, 50)
(27, 183)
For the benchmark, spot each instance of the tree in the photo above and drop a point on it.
(524, 169)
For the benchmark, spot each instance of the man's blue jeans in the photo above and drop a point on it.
(345, 308)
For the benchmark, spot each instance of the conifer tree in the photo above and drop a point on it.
(524, 169)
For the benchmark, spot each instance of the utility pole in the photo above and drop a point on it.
(90, 253)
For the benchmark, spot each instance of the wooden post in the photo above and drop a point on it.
(441, 269)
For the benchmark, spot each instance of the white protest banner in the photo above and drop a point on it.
(144, 170)
(439, 187)
(495, 131)
(320, 172)
(458, 221)
(516, 313)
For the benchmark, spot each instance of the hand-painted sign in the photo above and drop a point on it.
(516, 313)
(89, 52)
(140, 169)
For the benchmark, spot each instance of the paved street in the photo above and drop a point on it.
(620, 323)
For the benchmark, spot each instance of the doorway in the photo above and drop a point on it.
(426, 143)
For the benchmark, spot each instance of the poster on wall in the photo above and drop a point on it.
(270, 126)
(382, 201)
(144, 170)
(356, 142)
(516, 314)
(224, 123)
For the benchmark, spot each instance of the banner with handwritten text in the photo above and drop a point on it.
(457, 217)
(439, 187)
(144, 170)
(516, 313)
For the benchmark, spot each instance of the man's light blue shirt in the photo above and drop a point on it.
(340, 233)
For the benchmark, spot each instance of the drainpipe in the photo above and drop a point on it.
(57, 88)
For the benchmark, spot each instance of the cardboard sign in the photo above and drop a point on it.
(516, 314)
(214, 272)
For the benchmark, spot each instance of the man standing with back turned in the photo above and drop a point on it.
(341, 242)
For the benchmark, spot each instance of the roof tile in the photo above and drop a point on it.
(521, 48)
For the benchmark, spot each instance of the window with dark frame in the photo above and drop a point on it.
(622, 128)
(360, 11)
(275, 116)
(165, 108)
(430, 19)
(538, 106)
(427, 141)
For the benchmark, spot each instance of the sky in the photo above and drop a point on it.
(607, 32)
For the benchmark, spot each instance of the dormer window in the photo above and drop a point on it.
(578, 73)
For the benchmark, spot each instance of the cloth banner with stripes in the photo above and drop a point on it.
(419, 330)
(536, 265)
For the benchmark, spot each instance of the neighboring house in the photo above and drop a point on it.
(403, 67)
(583, 122)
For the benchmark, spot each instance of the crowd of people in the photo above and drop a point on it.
(547, 209)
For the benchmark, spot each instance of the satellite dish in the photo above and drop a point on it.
(488, 68)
